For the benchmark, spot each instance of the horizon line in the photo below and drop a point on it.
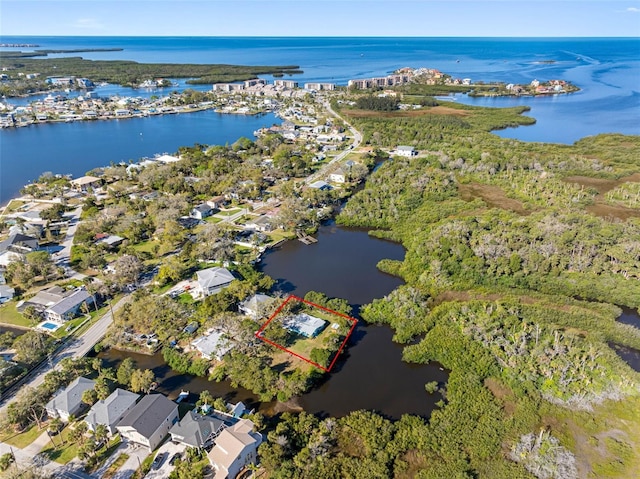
(313, 36)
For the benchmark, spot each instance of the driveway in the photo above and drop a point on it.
(169, 448)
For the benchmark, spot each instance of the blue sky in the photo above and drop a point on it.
(550, 18)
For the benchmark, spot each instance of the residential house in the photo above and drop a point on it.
(255, 305)
(85, 182)
(213, 345)
(69, 306)
(6, 293)
(149, 421)
(201, 211)
(236, 447)
(110, 241)
(45, 298)
(110, 411)
(338, 176)
(191, 328)
(217, 202)
(167, 159)
(320, 185)
(407, 151)
(304, 324)
(212, 280)
(16, 247)
(196, 430)
(68, 402)
(260, 223)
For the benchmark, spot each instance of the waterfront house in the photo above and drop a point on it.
(149, 421)
(338, 176)
(201, 211)
(110, 411)
(407, 151)
(236, 447)
(85, 182)
(68, 401)
(255, 306)
(212, 280)
(304, 324)
(213, 345)
(260, 223)
(69, 306)
(195, 430)
(16, 247)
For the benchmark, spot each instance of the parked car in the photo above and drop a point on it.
(159, 459)
(174, 458)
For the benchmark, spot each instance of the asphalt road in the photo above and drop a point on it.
(357, 139)
(76, 348)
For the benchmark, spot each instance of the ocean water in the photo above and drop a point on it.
(606, 69)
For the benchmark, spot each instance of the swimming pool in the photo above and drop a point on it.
(49, 326)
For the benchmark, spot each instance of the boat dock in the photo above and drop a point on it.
(306, 239)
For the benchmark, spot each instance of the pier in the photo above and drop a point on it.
(306, 239)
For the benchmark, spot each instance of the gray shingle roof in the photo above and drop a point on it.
(110, 410)
(194, 429)
(149, 414)
(213, 277)
(70, 398)
(70, 302)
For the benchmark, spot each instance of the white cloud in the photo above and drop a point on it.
(633, 9)
(87, 24)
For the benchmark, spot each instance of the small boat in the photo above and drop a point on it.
(182, 396)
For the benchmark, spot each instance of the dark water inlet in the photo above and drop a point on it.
(370, 374)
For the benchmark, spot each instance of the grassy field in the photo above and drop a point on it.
(22, 439)
(230, 212)
(61, 448)
(10, 315)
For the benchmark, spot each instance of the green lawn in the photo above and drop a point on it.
(146, 247)
(22, 439)
(106, 452)
(213, 219)
(230, 212)
(279, 235)
(303, 345)
(10, 315)
(61, 448)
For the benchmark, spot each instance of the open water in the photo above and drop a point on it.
(606, 69)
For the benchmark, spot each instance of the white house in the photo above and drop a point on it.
(149, 421)
(304, 324)
(255, 305)
(213, 345)
(212, 280)
(69, 306)
(16, 247)
(110, 411)
(85, 182)
(338, 176)
(407, 151)
(236, 447)
(201, 211)
(69, 401)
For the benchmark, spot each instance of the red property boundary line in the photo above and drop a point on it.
(354, 321)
